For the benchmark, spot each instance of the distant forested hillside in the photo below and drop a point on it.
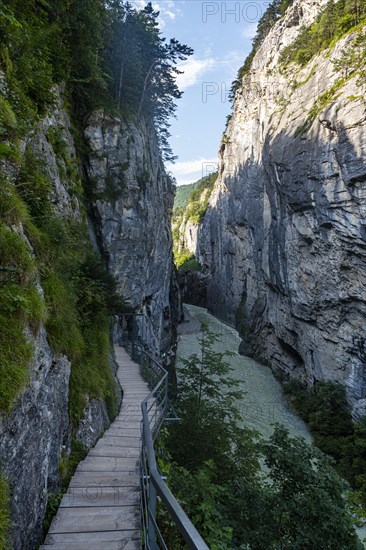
(182, 195)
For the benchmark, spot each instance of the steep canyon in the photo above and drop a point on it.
(283, 237)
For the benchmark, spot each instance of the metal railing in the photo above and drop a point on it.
(154, 410)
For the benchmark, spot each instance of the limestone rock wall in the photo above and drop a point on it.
(37, 430)
(284, 237)
(132, 200)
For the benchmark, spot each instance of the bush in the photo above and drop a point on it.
(185, 261)
(214, 470)
(335, 21)
(326, 411)
(21, 306)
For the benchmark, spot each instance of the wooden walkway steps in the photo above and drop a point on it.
(101, 509)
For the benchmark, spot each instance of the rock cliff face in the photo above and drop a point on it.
(132, 198)
(284, 237)
(134, 233)
(37, 430)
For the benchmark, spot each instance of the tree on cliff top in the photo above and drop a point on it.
(107, 53)
(142, 65)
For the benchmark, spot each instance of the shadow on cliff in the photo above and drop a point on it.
(287, 251)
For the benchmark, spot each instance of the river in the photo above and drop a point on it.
(264, 402)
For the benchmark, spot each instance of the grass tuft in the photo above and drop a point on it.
(4, 512)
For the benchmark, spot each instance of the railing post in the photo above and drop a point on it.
(151, 481)
(152, 517)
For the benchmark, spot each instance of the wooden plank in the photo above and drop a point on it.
(107, 464)
(111, 450)
(121, 440)
(88, 545)
(119, 431)
(100, 496)
(101, 509)
(93, 519)
(101, 536)
(105, 479)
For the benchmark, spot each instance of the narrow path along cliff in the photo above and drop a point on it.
(264, 402)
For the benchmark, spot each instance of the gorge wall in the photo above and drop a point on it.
(130, 202)
(284, 237)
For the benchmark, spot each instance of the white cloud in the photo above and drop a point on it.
(192, 69)
(171, 14)
(250, 30)
(191, 166)
(190, 171)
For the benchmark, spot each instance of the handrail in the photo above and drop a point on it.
(152, 483)
(182, 521)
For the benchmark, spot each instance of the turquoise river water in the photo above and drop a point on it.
(264, 402)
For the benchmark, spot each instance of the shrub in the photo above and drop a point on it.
(185, 261)
(21, 306)
(335, 21)
(326, 411)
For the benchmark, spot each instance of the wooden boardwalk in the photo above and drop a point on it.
(101, 509)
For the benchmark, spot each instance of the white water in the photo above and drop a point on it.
(264, 402)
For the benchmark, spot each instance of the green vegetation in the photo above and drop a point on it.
(79, 295)
(319, 105)
(186, 261)
(274, 12)
(199, 197)
(105, 52)
(101, 54)
(4, 512)
(213, 468)
(326, 411)
(20, 305)
(336, 20)
(181, 199)
(67, 467)
(188, 201)
(195, 210)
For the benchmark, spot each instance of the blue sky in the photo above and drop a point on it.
(220, 34)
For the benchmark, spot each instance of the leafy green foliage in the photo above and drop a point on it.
(67, 467)
(181, 198)
(335, 21)
(274, 12)
(195, 211)
(326, 411)
(101, 50)
(186, 261)
(213, 468)
(199, 493)
(20, 305)
(306, 502)
(142, 66)
(352, 60)
(4, 512)
(199, 197)
(79, 295)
